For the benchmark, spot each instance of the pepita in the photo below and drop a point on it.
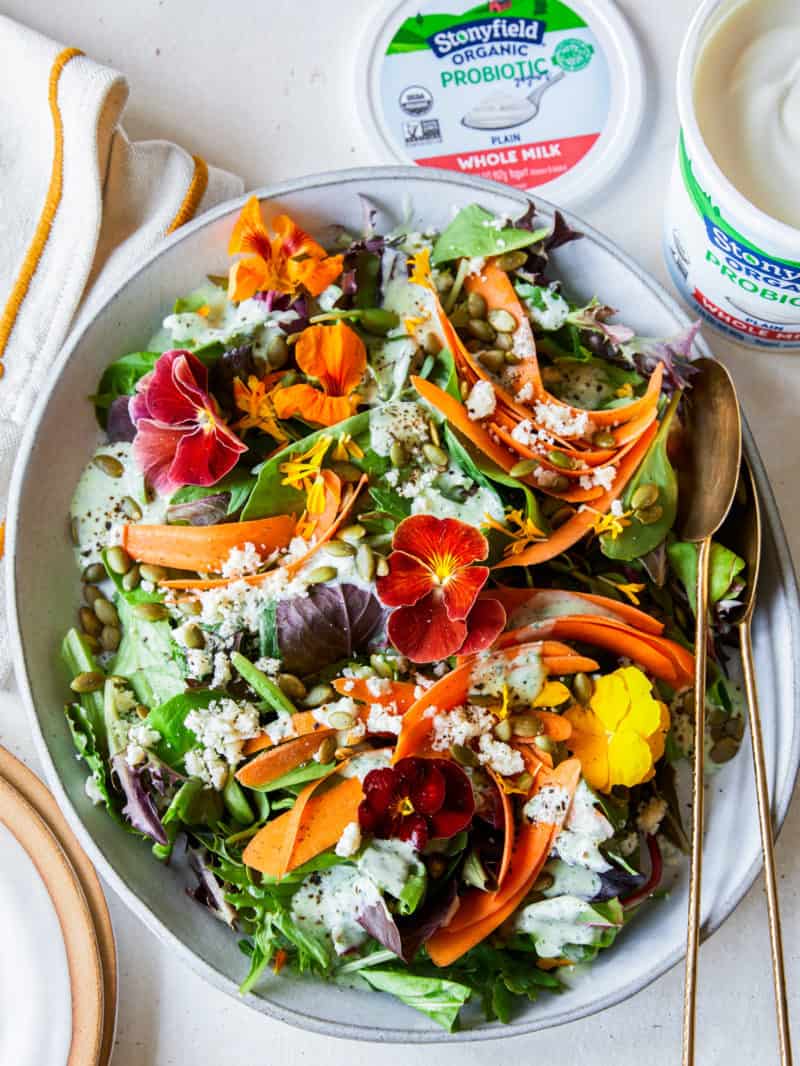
(380, 666)
(365, 562)
(189, 606)
(105, 611)
(321, 574)
(644, 496)
(464, 755)
(318, 694)
(560, 483)
(544, 743)
(436, 456)
(502, 321)
(463, 388)
(604, 439)
(650, 515)
(512, 359)
(91, 593)
(277, 352)
(397, 454)
(480, 330)
(433, 429)
(504, 341)
(291, 686)
(544, 881)
(524, 468)
(352, 533)
(110, 638)
(141, 710)
(476, 305)
(382, 566)
(150, 572)
(327, 750)
(524, 781)
(151, 612)
(583, 687)
(378, 320)
(118, 560)
(562, 461)
(90, 681)
(131, 580)
(94, 572)
(193, 636)
(503, 730)
(109, 465)
(526, 725)
(511, 260)
(431, 345)
(724, 750)
(90, 623)
(75, 531)
(734, 727)
(341, 720)
(340, 548)
(493, 359)
(131, 509)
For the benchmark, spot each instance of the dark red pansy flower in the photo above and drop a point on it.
(416, 800)
(181, 438)
(434, 584)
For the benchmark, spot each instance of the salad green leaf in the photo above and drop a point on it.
(724, 566)
(147, 657)
(474, 232)
(437, 997)
(168, 719)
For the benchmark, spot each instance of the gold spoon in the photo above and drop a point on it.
(743, 535)
(708, 486)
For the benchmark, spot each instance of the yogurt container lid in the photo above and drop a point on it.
(536, 94)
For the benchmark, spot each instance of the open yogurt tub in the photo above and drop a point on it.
(731, 228)
(43, 595)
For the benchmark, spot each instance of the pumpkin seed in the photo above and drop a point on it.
(92, 643)
(382, 566)
(118, 560)
(724, 750)
(444, 281)
(459, 316)
(544, 881)
(91, 593)
(277, 352)
(352, 533)
(734, 727)
(650, 515)
(476, 305)
(433, 429)
(149, 491)
(583, 687)
(511, 260)
(74, 531)
(348, 472)
(141, 710)
(131, 580)
(524, 468)
(340, 720)
(524, 781)
(503, 730)
(436, 456)
(150, 572)
(560, 483)
(718, 717)
(131, 509)
(604, 439)
(110, 638)
(193, 636)
(327, 750)
(644, 496)
(105, 611)
(365, 562)
(94, 572)
(90, 623)
(321, 575)
(397, 454)
(526, 725)
(512, 359)
(502, 321)
(291, 686)
(189, 607)
(480, 330)
(562, 461)
(151, 612)
(318, 694)
(380, 666)
(90, 681)
(544, 744)
(339, 548)
(504, 341)
(493, 359)
(431, 345)
(463, 388)
(464, 755)
(109, 465)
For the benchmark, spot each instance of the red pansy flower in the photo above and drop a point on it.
(416, 800)
(181, 438)
(434, 585)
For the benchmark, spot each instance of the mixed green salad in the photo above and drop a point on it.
(385, 622)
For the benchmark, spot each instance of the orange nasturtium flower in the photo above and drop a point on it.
(336, 357)
(281, 263)
(255, 401)
(620, 736)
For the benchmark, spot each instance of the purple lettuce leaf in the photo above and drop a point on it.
(675, 353)
(594, 317)
(380, 925)
(140, 809)
(119, 425)
(209, 891)
(234, 363)
(562, 233)
(208, 511)
(329, 623)
(617, 883)
(436, 911)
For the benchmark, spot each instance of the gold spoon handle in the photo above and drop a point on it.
(767, 845)
(698, 800)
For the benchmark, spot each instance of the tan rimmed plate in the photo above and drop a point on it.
(79, 939)
(34, 791)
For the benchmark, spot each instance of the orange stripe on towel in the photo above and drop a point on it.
(194, 194)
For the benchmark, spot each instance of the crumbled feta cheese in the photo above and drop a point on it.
(617, 508)
(628, 844)
(199, 662)
(651, 814)
(281, 729)
(560, 420)
(601, 477)
(523, 346)
(208, 767)
(350, 841)
(475, 265)
(124, 699)
(241, 561)
(549, 805)
(344, 706)
(222, 670)
(144, 734)
(384, 718)
(501, 757)
(270, 667)
(92, 790)
(135, 755)
(481, 401)
(526, 433)
(526, 392)
(459, 725)
(221, 730)
(545, 477)
(378, 686)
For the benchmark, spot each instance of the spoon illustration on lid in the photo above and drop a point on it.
(502, 110)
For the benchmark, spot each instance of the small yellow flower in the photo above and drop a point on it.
(421, 268)
(501, 712)
(301, 471)
(255, 401)
(412, 323)
(203, 311)
(611, 523)
(629, 589)
(553, 694)
(346, 448)
(620, 736)
(522, 531)
(625, 390)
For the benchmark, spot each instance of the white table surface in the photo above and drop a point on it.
(265, 88)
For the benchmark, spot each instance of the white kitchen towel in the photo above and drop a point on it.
(79, 204)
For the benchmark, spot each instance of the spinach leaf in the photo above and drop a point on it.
(368, 266)
(473, 233)
(168, 719)
(239, 484)
(390, 502)
(268, 632)
(119, 379)
(147, 657)
(441, 370)
(639, 538)
(301, 775)
(724, 566)
(270, 496)
(440, 999)
(262, 685)
(236, 802)
(86, 743)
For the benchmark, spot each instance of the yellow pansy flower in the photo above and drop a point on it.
(620, 736)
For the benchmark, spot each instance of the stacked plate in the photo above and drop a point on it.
(58, 964)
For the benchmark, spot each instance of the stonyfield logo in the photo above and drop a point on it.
(486, 31)
(752, 263)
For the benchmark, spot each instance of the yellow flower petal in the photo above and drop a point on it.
(629, 758)
(610, 700)
(553, 694)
